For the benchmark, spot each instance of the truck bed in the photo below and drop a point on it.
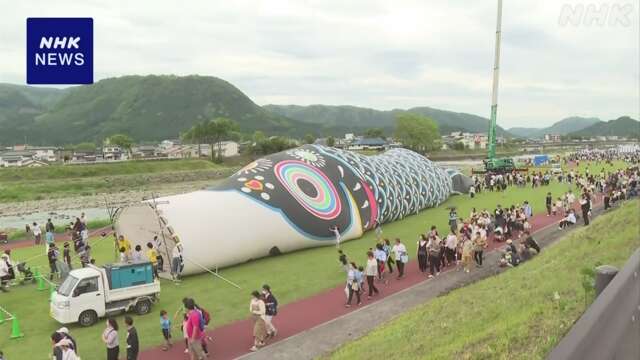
(133, 292)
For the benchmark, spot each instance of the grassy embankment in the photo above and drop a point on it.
(56, 181)
(292, 276)
(513, 315)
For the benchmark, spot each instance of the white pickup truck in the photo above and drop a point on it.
(93, 292)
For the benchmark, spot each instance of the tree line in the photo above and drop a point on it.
(416, 132)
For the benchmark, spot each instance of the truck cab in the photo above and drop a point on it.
(90, 293)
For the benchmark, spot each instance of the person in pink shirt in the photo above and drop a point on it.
(194, 331)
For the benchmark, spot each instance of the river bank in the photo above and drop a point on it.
(99, 200)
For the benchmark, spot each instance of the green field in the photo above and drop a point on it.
(513, 315)
(55, 181)
(226, 303)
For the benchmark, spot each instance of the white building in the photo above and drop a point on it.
(44, 153)
(552, 137)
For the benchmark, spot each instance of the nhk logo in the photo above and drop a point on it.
(59, 50)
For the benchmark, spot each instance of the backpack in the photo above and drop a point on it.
(206, 317)
(275, 305)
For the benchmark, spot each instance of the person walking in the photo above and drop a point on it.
(422, 253)
(271, 310)
(37, 233)
(434, 255)
(4, 273)
(479, 242)
(450, 245)
(110, 338)
(467, 255)
(165, 326)
(258, 312)
(52, 256)
(400, 252)
(547, 201)
(66, 255)
(194, 330)
(371, 271)
(386, 247)
(585, 206)
(133, 344)
(49, 232)
(352, 285)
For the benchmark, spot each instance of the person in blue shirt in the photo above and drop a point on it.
(381, 258)
(165, 325)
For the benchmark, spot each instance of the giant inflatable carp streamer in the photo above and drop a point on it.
(289, 201)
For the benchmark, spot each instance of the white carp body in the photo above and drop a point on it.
(289, 201)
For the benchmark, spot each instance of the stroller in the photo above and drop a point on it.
(26, 275)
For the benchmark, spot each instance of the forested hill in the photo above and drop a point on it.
(155, 107)
(359, 117)
(623, 126)
(144, 107)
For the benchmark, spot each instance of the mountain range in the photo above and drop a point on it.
(562, 127)
(622, 126)
(155, 107)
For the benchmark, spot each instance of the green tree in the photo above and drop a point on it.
(374, 133)
(416, 132)
(309, 139)
(331, 141)
(123, 141)
(216, 131)
(458, 145)
(258, 137)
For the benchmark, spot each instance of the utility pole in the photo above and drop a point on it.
(494, 90)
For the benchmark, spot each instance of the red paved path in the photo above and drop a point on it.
(235, 339)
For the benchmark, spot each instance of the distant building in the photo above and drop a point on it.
(368, 144)
(552, 137)
(227, 149)
(113, 152)
(19, 159)
(145, 151)
(468, 140)
(44, 153)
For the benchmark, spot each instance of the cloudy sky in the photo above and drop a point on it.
(379, 54)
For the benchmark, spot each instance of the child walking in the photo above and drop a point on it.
(165, 324)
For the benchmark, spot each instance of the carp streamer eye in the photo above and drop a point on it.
(311, 188)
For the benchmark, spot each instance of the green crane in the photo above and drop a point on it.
(492, 163)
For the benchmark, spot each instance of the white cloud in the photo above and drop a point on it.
(380, 54)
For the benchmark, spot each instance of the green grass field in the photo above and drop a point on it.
(22, 184)
(512, 315)
(292, 276)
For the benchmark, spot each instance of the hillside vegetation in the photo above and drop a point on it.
(562, 127)
(144, 107)
(623, 126)
(512, 315)
(359, 118)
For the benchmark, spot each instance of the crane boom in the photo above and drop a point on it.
(494, 91)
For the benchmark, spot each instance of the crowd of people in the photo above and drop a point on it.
(460, 246)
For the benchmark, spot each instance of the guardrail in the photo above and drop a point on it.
(610, 328)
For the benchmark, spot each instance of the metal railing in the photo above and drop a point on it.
(610, 328)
